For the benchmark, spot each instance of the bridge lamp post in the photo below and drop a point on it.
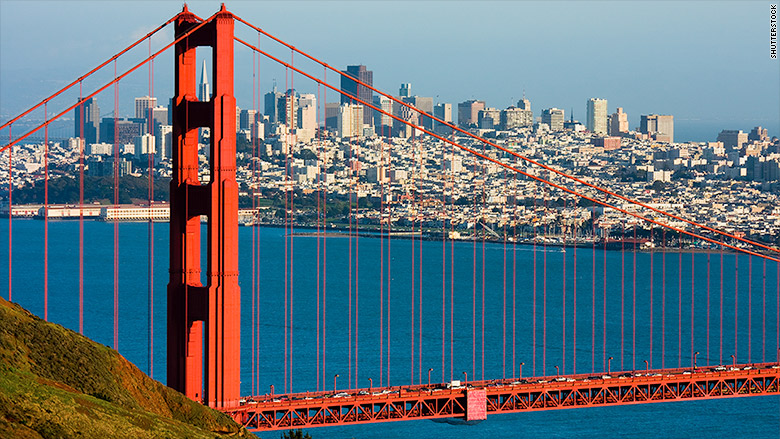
(429, 376)
(521, 369)
(647, 366)
(609, 365)
(272, 390)
(695, 354)
(465, 378)
(557, 371)
(370, 384)
(334, 382)
(733, 359)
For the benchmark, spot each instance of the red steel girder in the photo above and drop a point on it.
(577, 391)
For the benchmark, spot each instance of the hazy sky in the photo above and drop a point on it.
(695, 60)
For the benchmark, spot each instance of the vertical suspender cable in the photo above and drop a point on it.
(736, 303)
(593, 298)
(10, 211)
(563, 293)
(82, 141)
(46, 215)
(633, 305)
(652, 261)
(604, 301)
(663, 298)
(150, 225)
(116, 224)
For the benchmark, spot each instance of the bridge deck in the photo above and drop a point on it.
(477, 399)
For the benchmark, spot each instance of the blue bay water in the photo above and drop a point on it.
(756, 339)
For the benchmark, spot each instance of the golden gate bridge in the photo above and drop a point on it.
(204, 299)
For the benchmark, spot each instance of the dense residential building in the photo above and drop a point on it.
(596, 119)
(618, 122)
(732, 139)
(350, 86)
(468, 112)
(660, 127)
(553, 117)
(90, 128)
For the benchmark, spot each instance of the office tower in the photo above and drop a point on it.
(142, 106)
(159, 116)
(162, 141)
(514, 117)
(468, 112)
(287, 109)
(247, 119)
(383, 122)
(733, 139)
(425, 105)
(489, 118)
(758, 134)
(618, 122)
(524, 104)
(204, 91)
(443, 112)
(144, 144)
(350, 120)
(553, 117)
(661, 127)
(119, 131)
(406, 90)
(307, 117)
(596, 120)
(271, 105)
(362, 92)
(331, 115)
(91, 112)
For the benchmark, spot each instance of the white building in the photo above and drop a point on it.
(597, 116)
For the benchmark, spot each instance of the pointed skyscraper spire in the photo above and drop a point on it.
(204, 91)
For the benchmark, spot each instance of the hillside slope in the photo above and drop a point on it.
(55, 383)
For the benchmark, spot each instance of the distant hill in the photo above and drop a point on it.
(55, 383)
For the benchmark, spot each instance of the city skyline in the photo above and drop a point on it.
(690, 81)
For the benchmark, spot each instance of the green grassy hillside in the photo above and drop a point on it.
(55, 383)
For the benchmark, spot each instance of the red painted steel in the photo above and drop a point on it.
(203, 320)
(362, 406)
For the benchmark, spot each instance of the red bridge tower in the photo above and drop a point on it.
(204, 320)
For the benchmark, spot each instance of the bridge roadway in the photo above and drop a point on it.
(475, 400)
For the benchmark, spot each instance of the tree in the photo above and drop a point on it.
(295, 434)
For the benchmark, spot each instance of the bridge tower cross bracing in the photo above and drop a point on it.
(204, 320)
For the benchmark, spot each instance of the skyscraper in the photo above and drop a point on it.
(362, 92)
(406, 90)
(553, 117)
(596, 115)
(91, 128)
(142, 106)
(382, 122)
(204, 91)
(468, 112)
(272, 105)
(661, 127)
(618, 122)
